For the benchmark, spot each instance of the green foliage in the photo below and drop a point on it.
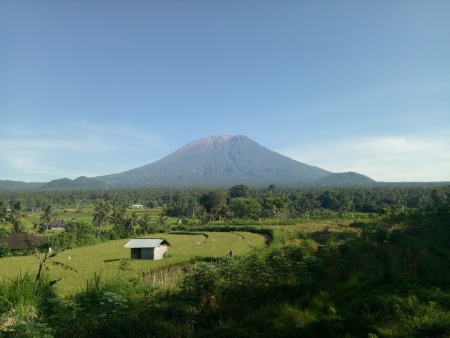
(33, 330)
(125, 264)
(5, 250)
(3, 211)
(386, 275)
(145, 224)
(23, 303)
(239, 190)
(273, 205)
(214, 203)
(45, 260)
(199, 288)
(377, 285)
(76, 234)
(47, 217)
(245, 208)
(82, 232)
(16, 215)
(163, 224)
(101, 214)
(94, 314)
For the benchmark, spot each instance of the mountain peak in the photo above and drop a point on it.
(220, 161)
(218, 138)
(210, 141)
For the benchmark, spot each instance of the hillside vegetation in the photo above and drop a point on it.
(339, 263)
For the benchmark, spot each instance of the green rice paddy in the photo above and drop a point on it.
(112, 260)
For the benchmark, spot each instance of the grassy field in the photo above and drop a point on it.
(111, 259)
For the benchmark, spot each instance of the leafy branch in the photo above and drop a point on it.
(47, 259)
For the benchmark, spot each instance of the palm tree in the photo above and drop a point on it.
(118, 212)
(15, 215)
(144, 223)
(48, 216)
(101, 214)
(162, 222)
(134, 221)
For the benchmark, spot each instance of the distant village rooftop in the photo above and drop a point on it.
(18, 241)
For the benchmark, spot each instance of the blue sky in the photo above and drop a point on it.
(99, 87)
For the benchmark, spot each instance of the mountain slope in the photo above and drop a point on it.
(18, 185)
(81, 182)
(346, 179)
(220, 161)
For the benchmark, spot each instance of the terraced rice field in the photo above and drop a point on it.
(111, 259)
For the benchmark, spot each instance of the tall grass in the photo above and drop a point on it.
(22, 300)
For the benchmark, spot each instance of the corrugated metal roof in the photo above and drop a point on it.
(145, 242)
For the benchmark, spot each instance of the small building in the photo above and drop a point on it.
(58, 224)
(137, 206)
(19, 240)
(147, 248)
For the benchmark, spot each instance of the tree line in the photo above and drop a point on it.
(237, 202)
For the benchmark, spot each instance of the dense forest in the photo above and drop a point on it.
(261, 203)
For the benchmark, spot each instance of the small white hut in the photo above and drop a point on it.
(147, 248)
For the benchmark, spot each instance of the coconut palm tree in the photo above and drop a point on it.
(48, 216)
(134, 221)
(101, 214)
(162, 223)
(144, 223)
(16, 215)
(118, 212)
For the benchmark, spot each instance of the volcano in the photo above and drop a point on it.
(219, 161)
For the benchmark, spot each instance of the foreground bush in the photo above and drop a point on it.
(24, 304)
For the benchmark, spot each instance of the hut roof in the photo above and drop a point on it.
(18, 240)
(145, 242)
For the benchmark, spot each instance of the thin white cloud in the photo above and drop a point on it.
(38, 153)
(383, 158)
(33, 170)
(50, 145)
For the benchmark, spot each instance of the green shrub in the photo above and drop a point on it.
(98, 311)
(5, 250)
(22, 302)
